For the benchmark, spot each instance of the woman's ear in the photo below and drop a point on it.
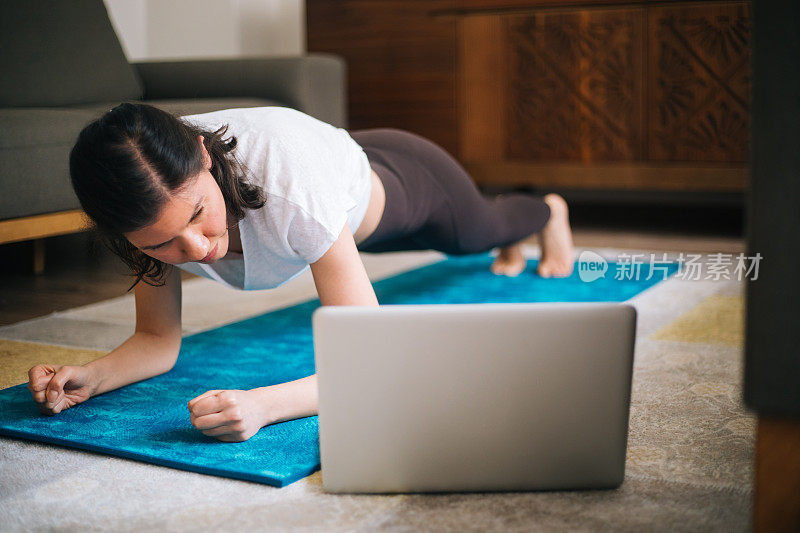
(206, 157)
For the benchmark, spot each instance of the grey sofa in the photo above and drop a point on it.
(62, 66)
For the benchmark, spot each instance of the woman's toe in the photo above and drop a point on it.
(543, 270)
(565, 270)
(514, 271)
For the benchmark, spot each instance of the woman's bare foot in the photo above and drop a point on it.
(557, 257)
(510, 261)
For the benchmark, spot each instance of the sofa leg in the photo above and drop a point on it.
(38, 256)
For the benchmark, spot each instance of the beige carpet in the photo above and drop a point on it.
(690, 447)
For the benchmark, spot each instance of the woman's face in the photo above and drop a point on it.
(190, 226)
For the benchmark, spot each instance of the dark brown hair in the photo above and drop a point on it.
(125, 166)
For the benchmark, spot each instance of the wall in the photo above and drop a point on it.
(188, 29)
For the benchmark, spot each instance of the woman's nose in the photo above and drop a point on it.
(196, 247)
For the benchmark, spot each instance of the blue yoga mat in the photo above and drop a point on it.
(149, 420)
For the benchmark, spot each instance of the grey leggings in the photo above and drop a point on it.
(433, 204)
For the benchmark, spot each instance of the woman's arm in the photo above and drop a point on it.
(339, 275)
(150, 351)
(341, 279)
(234, 416)
(154, 347)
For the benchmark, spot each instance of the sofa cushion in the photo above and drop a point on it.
(56, 53)
(34, 160)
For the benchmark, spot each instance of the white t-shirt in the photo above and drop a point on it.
(314, 176)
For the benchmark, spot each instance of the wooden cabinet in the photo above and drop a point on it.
(553, 94)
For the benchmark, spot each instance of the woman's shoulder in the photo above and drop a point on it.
(257, 118)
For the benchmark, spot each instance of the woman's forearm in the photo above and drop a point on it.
(140, 357)
(286, 401)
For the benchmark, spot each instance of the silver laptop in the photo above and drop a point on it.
(473, 397)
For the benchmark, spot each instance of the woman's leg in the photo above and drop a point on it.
(432, 203)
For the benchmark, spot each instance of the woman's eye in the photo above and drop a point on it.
(193, 219)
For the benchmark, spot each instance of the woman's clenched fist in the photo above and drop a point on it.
(58, 387)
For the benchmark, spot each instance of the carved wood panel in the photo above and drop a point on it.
(575, 86)
(699, 82)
